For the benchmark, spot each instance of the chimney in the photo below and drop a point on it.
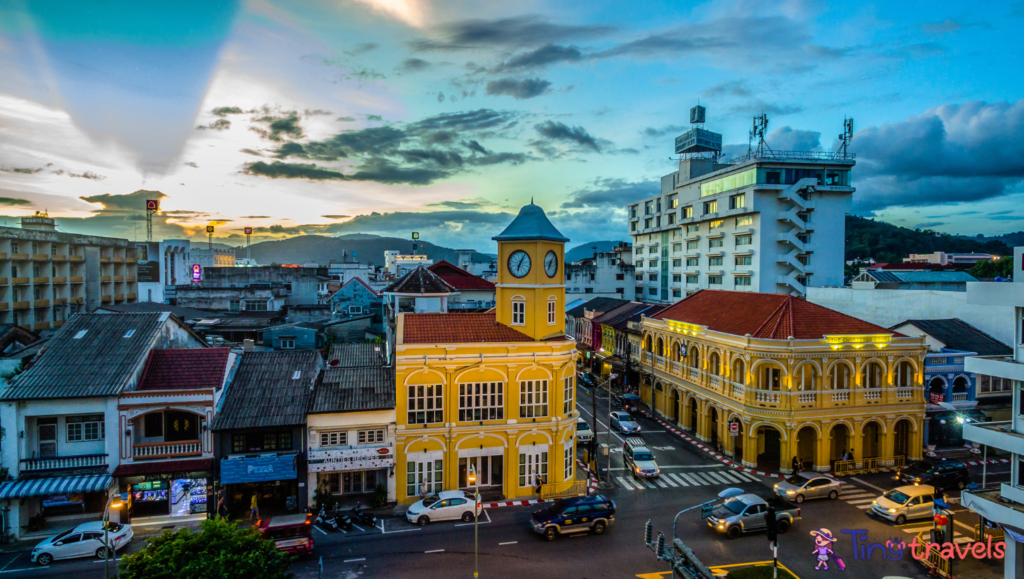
(248, 345)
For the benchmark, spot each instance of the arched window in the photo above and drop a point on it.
(771, 377)
(676, 352)
(518, 311)
(904, 374)
(714, 364)
(694, 356)
(647, 343)
(661, 348)
(840, 378)
(871, 375)
(937, 386)
(806, 376)
(739, 372)
(960, 385)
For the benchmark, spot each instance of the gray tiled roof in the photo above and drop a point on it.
(146, 307)
(958, 335)
(101, 361)
(266, 392)
(420, 281)
(897, 276)
(356, 354)
(355, 389)
(596, 304)
(530, 224)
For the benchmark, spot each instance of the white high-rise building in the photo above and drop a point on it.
(768, 221)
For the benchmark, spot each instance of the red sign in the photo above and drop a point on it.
(383, 451)
(935, 398)
(734, 427)
(248, 230)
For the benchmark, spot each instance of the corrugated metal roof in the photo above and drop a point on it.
(355, 390)
(420, 281)
(270, 389)
(531, 224)
(883, 276)
(91, 355)
(958, 335)
(596, 304)
(356, 354)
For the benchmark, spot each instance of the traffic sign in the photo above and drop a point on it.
(415, 234)
(734, 428)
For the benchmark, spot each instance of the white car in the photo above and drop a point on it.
(85, 540)
(444, 506)
(583, 431)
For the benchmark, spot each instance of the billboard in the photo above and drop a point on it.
(152, 205)
(248, 230)
(197, 273)
(209, 229)
(148, 256)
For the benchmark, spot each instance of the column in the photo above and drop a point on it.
(1013, 564)
(787, 448)
(749, 447)
(857, 443)
(824, 463)
(886, 454)
(702, 419)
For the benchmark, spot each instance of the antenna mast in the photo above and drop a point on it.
(846, 136)
(757, 134)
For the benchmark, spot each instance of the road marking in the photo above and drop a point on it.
(18, 556)
(36, 568)
(666, 480)
(864, 507)
(319, 529)
(661, 483)
(730, 476)
(969, 528)
(879, 489)
(703, 478)
(856, 494)
(676, 478)
(860, 501)
(435, 551)
(718, 476)
(623, 483)
(508, 543)
(358, 527)
(690, 479)
(111, 560)
(750, 476)
(354, 560)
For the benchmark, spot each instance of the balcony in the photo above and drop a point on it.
(77, 279)
(60, 280)
(41, 326)
(131, 296)
(118, 260)
(129, 278)
(106, 298)
(155, 450)
(960, 397)
(41, 304)
(118, 297)
(22, 305)
(998, 434)
(41, 280)
(40, 257)
(3, 255)
(104, 259)
(768, 397)
(78, 300)
(1000, 366)
(3, 281)
(60, 301)
(118, 278)
(75, 258)
(841, 396)
(904, 392)
(105, 278)
(59, 257)
(990, 504)
(19, 256)
(20, 281)
(57, 324)
(4, 306)
(62, 463)
(872, 394)
(806, 397)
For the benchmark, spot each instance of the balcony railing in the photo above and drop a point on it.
(82, 461)
(873, 394)
(716, 382)
(676, 368)
(768, 397)
(148, 450)
(841, 396)
(806, 397)
(693, 374)
(962, 397)
(904, 392)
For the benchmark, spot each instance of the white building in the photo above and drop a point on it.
(1003, 505)
(166, 264)
(607, 274)
(769, 221)
(351, 425)
(943, 258)
(398, 265)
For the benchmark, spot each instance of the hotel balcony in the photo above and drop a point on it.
(104, 259)
(20, 281)
(41, 303)
(19, 256)
(159, 450)
(61, 464)
(118, 297)
(118, 260)
(105, 278)
(77, 279)
(78, 300)
(76, 258)
(1000, 366)
(106, 298)
(59, 257)
(60, 301)
(40, 257)
(4, 306)
(996, 504)
(22, 305)
(41, 326)
(57, 324)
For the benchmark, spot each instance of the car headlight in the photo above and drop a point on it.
(790, 492)
(917, 480)
(721, 526)
(892, 510)
(874, 502)
(776, 486)
(637, 469)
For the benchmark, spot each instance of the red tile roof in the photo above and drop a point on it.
(458, 329)
(771, 316)
(187, 369)
(459, 278)
(164, 467)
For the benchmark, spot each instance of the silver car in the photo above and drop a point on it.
(799, 487)
(624, 423)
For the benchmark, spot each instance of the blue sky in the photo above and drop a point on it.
(391, 116)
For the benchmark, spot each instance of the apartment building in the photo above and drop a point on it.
(1003, 504)
(164, 265)
(605, 274)
(768, 221)
(47, 275)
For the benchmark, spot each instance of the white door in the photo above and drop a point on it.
(532, 462)
(442, 511)
(426, 471)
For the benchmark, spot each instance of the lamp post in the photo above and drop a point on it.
(476, 520)
(113, 502)
(670, 556)
(594, 400)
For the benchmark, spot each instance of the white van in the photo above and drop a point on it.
(905, 503)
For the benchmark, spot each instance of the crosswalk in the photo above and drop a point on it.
(862, 500)
(687, 479)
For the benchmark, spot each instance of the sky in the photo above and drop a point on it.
(444, 117)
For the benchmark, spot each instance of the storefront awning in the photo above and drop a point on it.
(54, 486)
(164, 467)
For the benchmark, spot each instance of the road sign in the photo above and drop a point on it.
(734, 427)
(152, 205)
(415, 234)
(209, 229)
(248, 230)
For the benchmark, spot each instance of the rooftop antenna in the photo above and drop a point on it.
(846, 136)
(757, 134)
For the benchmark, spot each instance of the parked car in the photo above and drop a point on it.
(902, 504)
(85, 540)
(444, 506)
(745, 513)
(583, 431)
(586, 379)
(623, 422)
(639, 460)
(946, 474)
(574, 515)
(290, 533)
(799, 487)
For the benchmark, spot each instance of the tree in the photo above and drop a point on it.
(992, 268)
(219, 550)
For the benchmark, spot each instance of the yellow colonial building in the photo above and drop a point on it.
(798, 380)
(491, 390)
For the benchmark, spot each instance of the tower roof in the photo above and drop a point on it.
(530, 225)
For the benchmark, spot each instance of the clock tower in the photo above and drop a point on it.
(530, 293)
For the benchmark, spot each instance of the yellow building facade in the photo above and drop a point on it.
(854, 388)
(491, 391)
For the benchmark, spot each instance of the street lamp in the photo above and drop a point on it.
(669, 555)
(476, 520)
(727, 493)
(113, 502)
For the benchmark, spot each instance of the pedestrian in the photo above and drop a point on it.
(796, 465)
(423, 490)
(843, 456)
(222, 509)
(538, 483)
(254, 509)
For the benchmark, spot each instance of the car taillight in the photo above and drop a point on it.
(798, 511)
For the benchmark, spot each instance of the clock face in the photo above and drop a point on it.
(551, 264)
(519, 263)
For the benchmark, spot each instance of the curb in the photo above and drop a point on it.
(591, 479)
(591, 487)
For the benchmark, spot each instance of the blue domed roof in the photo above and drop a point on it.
(531, 225)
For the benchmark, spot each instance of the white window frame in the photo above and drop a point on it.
(371, 436)
(91, 431)
(552, 311)
(426, 400)
(287, 343)
(429, 470)
(518, 311)
(355, 310)
(568, 395)
(533, 460)
(481, 401)
(569, 462)
(533, 399)
(333, 438)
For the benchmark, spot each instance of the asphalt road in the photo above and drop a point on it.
(508, 548)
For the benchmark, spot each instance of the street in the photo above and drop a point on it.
(509, 548)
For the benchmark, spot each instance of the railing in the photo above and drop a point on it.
(806, 398)
(841, 396)
(573, 488)
(33, 465)
(935, 564)
(146, 450)
(981, 534)
(872, 394)
(904, 392)
(677, 368)
(814, 155)
(737, 389)
(960, 397)
(647, 357)
(716, 382)
(769, 397)
(842, 467)
(693, 374)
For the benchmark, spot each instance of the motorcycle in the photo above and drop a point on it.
(363, 518)
(321, 518)
(341, 521)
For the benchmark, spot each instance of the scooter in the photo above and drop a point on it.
(341, 521)
(322, 517)
(363, 518)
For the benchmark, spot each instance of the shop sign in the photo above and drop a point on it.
(258, 469)
(350, 459)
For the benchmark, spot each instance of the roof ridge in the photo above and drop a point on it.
(775, 316)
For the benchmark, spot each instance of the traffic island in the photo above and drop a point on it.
(757, 570)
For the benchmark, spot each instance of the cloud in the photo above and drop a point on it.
(949, 25)
(515, 31)
(363, 48)
(87, 175)
(256, 217)
(464, 205)
(948, 154)
(666, 130)
(135, 201)
(476, 147)
(335, 216)
(729, 88)
(758, 106)
(224, 111)
(558, 131)
(345, 119)
(217, 125)
(611, 193)
(279, 127)
(540, 57)
(788, 139)
(373, 118)
(519, 89)
(14, 202)
(411, 65)
(316, 113)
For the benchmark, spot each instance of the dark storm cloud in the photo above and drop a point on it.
(540, 57)
(11, 201)
(128, 202)
(427, 223)
(87, 175)
(558, 131)
(516, 31)
(410, 65)
(949, 154)
(526, 88)
(729, 88)
(614, 193)
(475, 147)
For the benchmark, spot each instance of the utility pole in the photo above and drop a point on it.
(476, 520)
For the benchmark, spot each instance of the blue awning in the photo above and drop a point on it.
(54, 486)
(251, 469)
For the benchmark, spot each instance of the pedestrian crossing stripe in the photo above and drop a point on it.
(677, 479)
(957, 536)
(861, 501)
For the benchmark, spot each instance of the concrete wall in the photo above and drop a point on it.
(305, 338)
(889, 307)
(304, 281)
(92, 278)
(355, 294)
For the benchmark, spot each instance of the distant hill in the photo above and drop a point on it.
(585, 250)
(1015, 239)
(887, 243)
(354, 247)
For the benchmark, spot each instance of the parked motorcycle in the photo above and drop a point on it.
(321, 518)
(341, 521)
(363, 518)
